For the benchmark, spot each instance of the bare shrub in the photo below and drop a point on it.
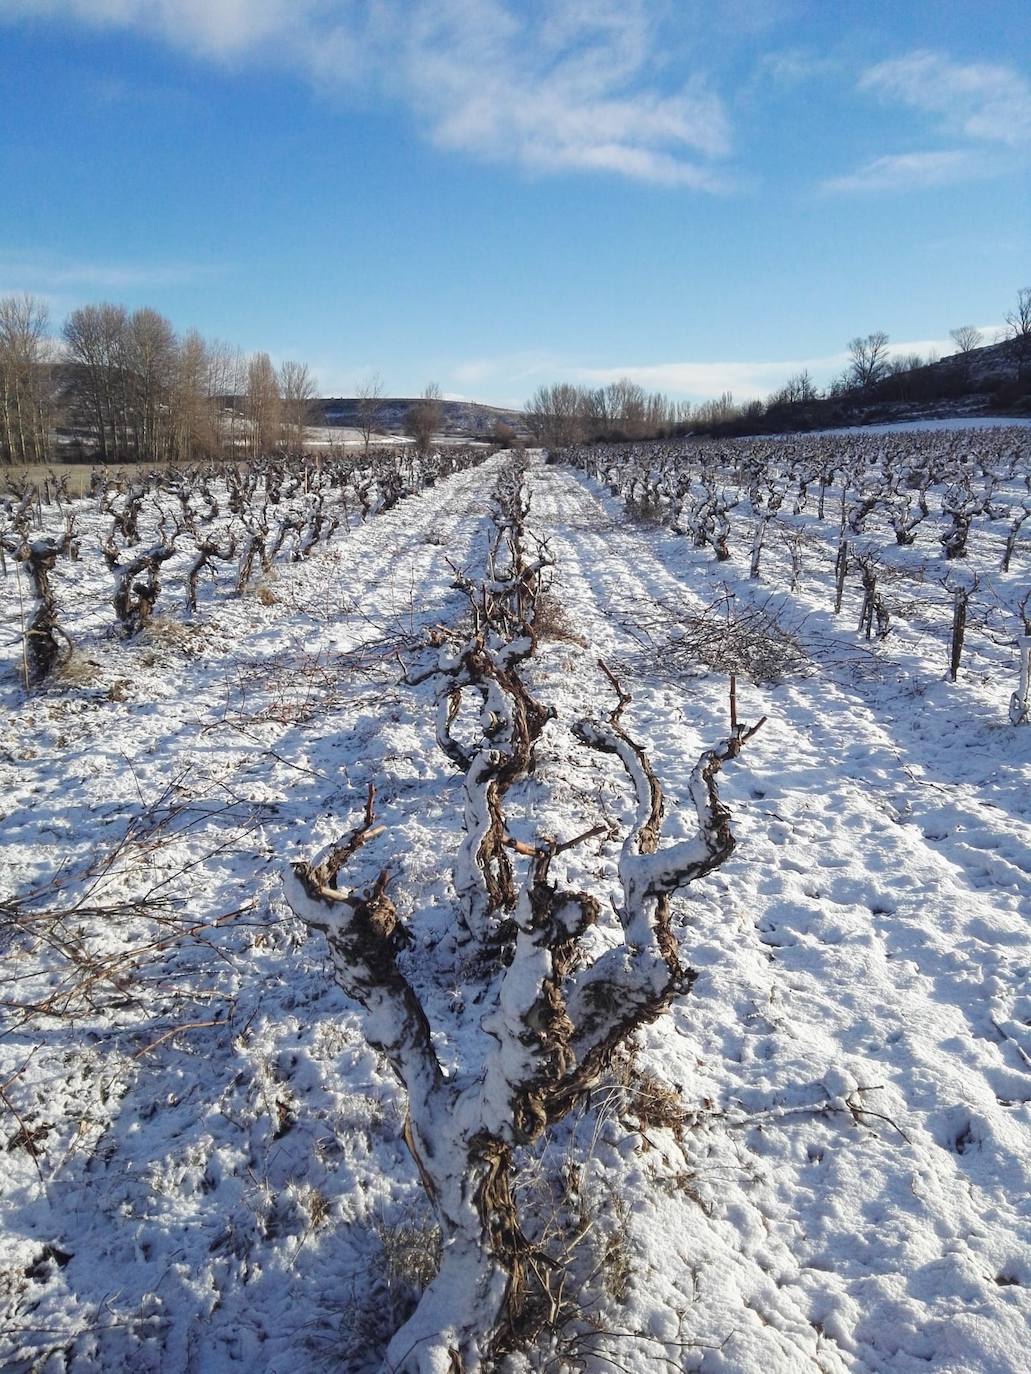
(92, 939)
(552, 621)
(753, 642)
(617, 1264)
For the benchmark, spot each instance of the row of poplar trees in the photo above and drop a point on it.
(134, 390)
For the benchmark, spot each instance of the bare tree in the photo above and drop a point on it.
(659, 413)
(718, 410)
(682, 412)
(370, 395)
(626, 402)
(1018, 320)
(503, 434)
(423, 418)
(192, 422)
(966, 338)
(95, 336)
(128, 366)
(150, 355)
(562, 414)
(297, 386)
(226, 385)
(1018, 326)
(555, 414)
(26, 380)
(263, 404)
(906, 362)
(796, 389)
(868, 358)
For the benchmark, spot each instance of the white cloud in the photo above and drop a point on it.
(973, 104)
(792, 67)
(514, 369)
(908, 171)
(982, 101)
(214, 28)
(560, 85)
(41, 275)
(522, 373)
(746, 379)
(508, 380)
(704, 381)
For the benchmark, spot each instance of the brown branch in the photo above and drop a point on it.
(327, 871)
(624, 698)
(174, 1030)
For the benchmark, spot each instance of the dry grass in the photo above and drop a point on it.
(551, 621)
(410, 1249)
(656, 1105)
(164, 632)
(76, 670)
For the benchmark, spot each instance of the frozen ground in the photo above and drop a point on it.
(203, 1167)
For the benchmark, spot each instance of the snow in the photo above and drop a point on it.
(216, 1177)
(946, 423)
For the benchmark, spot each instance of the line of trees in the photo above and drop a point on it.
(127, 388)
(150, 395)
(141, 391)
(563, 413)
(147, 394)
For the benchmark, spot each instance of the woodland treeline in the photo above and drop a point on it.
(124, 386)
(141, 391)
(562, 414)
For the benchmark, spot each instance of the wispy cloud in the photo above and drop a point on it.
(568, 85)
(520, 374)
(746, 379)
(971, 104)
(983, 101)
(792, 67)
(514, 368)
(54, 275)
(504, 377)
(213, 28)
(702, 381)
(908, 171)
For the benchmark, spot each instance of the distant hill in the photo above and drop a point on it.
(460, 419)
(994, 380)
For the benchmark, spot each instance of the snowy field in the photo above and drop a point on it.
(818, 1161)
(958, 422)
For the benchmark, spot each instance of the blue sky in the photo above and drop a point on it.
(495, 193)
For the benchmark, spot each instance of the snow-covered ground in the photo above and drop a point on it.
(341, 436)
(912, 426)
(203, 1165)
